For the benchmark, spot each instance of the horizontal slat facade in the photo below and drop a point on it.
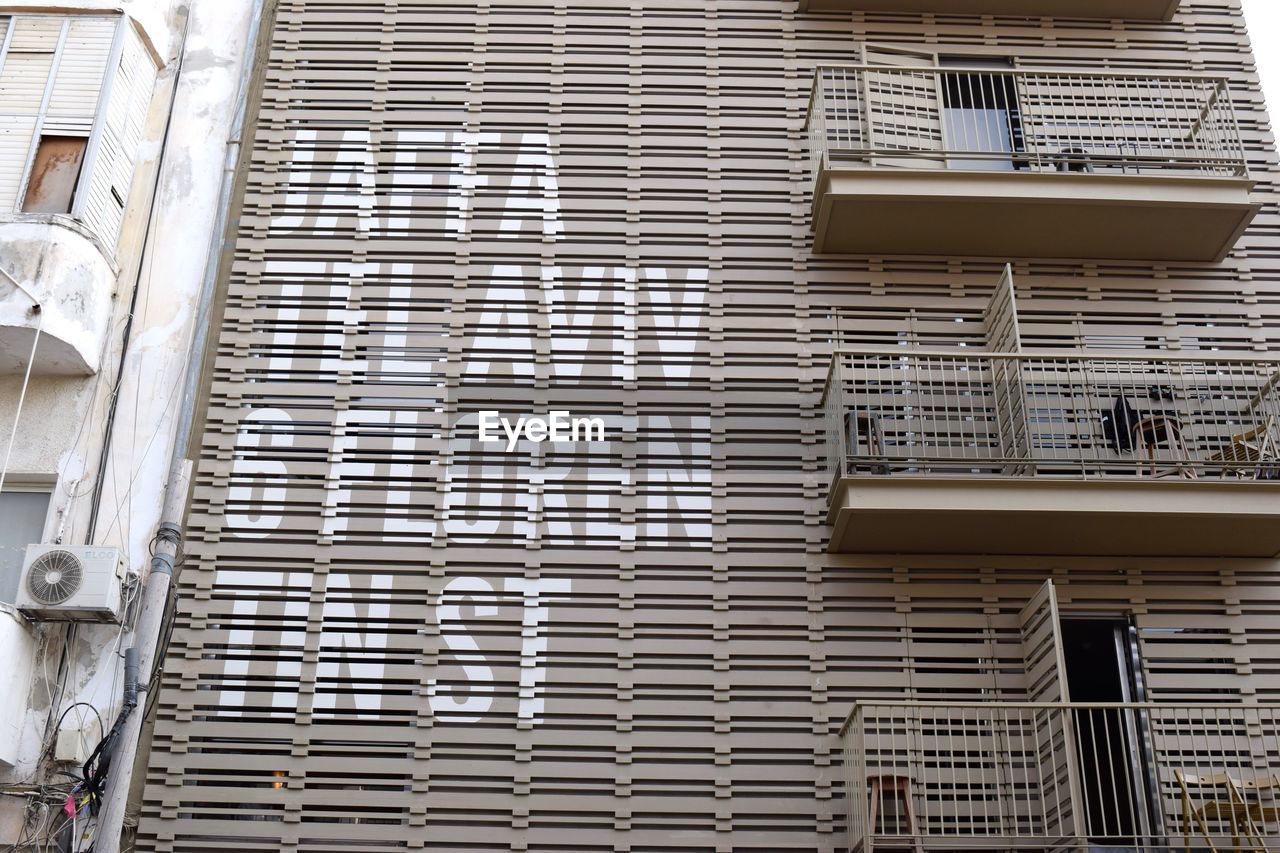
(390, 636)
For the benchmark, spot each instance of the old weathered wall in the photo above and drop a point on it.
(393, 637)
(62, 426)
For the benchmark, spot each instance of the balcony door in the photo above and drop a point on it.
(1096, 780)
(970, 116)
(981, 116)
(1102, 667)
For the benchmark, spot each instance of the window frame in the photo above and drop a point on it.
(41, 141)
(94, 137)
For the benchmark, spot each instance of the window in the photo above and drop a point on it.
(22, 517)
(75, 91)
(52, 185)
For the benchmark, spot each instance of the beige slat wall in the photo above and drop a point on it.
(698, 670)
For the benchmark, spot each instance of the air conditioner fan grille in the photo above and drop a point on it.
(54, 577)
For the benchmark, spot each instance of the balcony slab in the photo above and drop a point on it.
(1025, 214)
(1138, 517)
(1144, 10)
(69, 271)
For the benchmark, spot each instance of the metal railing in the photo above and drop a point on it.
(1056, 777)
(899, 412)
(1013, 119)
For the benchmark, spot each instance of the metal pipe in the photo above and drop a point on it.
(145, 652)
(130, 678)
(209, 285)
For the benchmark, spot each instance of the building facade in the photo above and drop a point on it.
(115, 125)
(933, 344)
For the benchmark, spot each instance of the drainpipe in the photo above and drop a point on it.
(146, 636)
(155, 591)
(209, 286)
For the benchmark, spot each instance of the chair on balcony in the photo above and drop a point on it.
(894, 792)
(1254, 454)
(862, 432)
(1150, 434)
(1074, 159)
(1248, 806)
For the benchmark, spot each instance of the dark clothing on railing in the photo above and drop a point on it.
(1118, 424)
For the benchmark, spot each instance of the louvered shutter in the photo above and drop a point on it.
(79, 77)
(111, 172)
(904, 108)
(1046, 675)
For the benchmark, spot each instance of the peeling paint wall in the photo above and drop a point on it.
(63, 422)
(73, 278)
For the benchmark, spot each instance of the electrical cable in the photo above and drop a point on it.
(86, 422)
(128, 491)
(58, 726)
(98, 765)
(22, 395)
(147, 242)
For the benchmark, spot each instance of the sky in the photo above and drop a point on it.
(1263, 18)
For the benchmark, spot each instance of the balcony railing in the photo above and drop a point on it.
(1023, 120)
(1057, 777)
(905, 413)
(1149, 10)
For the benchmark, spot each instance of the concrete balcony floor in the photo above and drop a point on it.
(1154, 217)
(1133, 517)
(67, 269)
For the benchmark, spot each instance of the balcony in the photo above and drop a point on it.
(1137, 10)
(1062, 776)
(1091, 454)
(56, 260)
(1032, 164)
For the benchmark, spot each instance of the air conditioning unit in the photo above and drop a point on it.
(72, 583)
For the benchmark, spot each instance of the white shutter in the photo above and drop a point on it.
(1046, 674)
(121, 133)
(23, 78)
(81, 70)
(36, 35)
(15, 147)
(26, 65)
(35, 67)
(1042, 647)
(22, 82)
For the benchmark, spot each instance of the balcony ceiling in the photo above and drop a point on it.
(1029, 214)
(1148, 10)
(1153, 517)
